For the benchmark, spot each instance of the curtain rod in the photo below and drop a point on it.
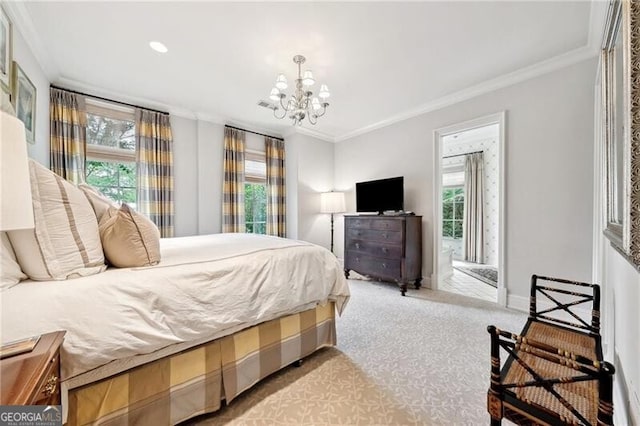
(255, 133)
(466, 153)
(107, 99)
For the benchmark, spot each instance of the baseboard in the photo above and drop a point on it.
(518, 303)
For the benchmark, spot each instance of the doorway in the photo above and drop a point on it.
(469, 206)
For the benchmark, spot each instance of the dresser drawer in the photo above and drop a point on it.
(354, 222)
(373, 248)
(375, 235)
(374, 266)
(48, 390)
(387, 224)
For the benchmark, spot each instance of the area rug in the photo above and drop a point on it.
(423, 359)
(486, 274)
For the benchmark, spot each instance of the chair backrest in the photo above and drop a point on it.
(562, 301)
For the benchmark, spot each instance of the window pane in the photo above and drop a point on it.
(115, 180)
(109, 132)
(447, 210)
(447, 228)
(459, 210)
(457, 229)
(255, 207)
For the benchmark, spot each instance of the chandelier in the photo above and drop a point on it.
(301, 102)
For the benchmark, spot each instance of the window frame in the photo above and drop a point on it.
(107, 154)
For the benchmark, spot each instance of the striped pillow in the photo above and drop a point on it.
(100, 202)
(65, 242)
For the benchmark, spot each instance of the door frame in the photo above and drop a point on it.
(498, 118)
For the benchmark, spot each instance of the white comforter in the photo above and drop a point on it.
(204, 287)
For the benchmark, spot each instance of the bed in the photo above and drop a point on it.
(161, 344)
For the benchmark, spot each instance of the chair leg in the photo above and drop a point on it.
(496, 422)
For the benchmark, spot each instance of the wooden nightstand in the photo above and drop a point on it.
(33, 378)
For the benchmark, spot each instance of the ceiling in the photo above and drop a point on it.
(380, 60)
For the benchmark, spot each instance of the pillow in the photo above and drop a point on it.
(100, 202)
(129, 238)
(65, 242)
(10, 272)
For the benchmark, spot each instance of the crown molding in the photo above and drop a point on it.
(309, 132)
(22, 22)
(523, 74)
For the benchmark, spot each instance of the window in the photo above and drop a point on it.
(452, 212)
(111, 156)
(255, 193)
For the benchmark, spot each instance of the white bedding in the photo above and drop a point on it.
(204, 287)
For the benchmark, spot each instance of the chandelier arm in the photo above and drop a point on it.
(284, 113)
(313, 119)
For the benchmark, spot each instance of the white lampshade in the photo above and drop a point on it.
(16, 210)
(281, 82)
(275, 94)
(315, 103)
(324, 91)
(332, 202)
(307, 78)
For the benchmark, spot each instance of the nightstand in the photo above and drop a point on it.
(33, 378)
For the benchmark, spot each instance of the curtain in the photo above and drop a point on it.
(68, 134)
(233, 185)
(276, 190)
(473, 229)
(154, 157)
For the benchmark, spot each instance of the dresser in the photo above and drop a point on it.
(387, 248)
(33, 378)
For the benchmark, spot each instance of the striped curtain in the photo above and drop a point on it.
(68, 134)
(233, 186)
(276, 190)
(154, 155)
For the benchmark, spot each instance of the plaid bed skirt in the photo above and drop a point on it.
(193, 382)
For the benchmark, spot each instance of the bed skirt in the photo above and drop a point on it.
(193, 382)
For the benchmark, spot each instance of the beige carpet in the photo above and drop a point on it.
(421, 359)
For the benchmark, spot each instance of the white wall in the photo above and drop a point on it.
(185, 157)
(24, 57)
(549, 175)
(309, 172)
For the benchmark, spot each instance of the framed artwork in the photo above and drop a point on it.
(24, 96)
(5, 51)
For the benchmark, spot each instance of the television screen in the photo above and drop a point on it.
(380, 195)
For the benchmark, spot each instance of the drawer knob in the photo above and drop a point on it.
(385, 250)
(384, 266)
(50, 386)
(357, 245)
(385, 235)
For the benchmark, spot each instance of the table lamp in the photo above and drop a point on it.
(16, 210)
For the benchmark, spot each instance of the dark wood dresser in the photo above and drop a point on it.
(33, 378)
(388, 248)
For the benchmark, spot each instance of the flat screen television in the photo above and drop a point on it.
(380, 195)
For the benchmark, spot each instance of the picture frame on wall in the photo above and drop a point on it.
(6, 50)
(24, 98)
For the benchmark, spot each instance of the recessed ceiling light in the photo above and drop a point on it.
(158, 47)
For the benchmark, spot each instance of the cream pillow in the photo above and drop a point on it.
(129, 238)
(10, 274)
(65, 242)
(100, 202)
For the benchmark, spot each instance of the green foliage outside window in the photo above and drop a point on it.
(115, 180)
(255, 207)
(452, 212)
